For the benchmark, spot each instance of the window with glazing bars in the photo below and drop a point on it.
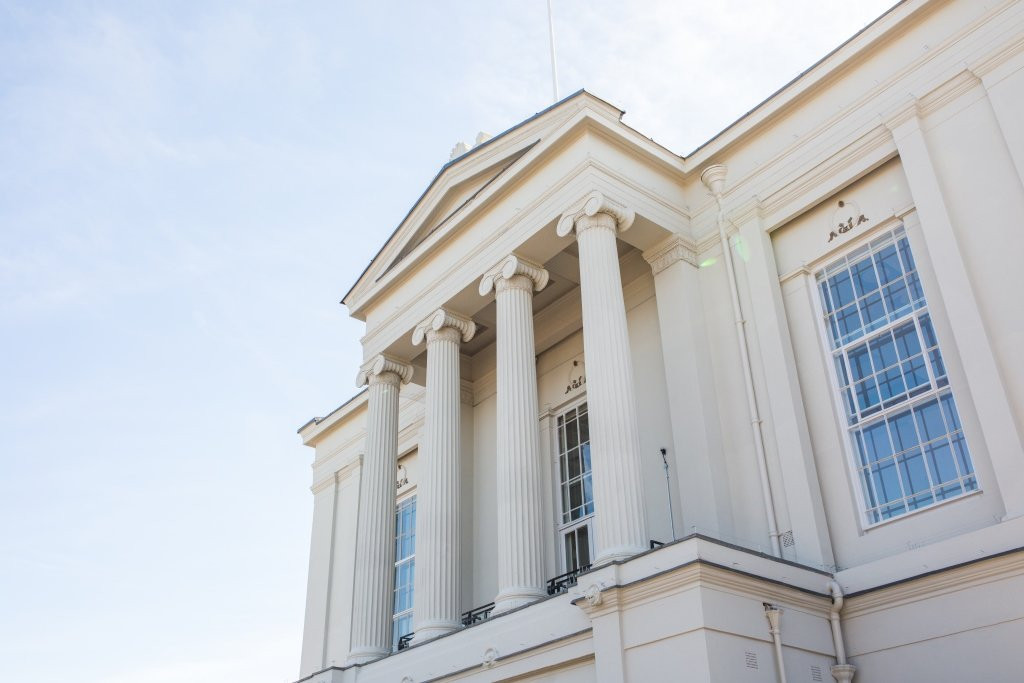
(405, 567)
(905, 430)
(575, 484)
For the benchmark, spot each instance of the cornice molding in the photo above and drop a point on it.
(854, 161)
(510, 234)
(989, 64)
(940, 583)
(597, 597)
(339, 476)
(948, 91)
(827, 70)
(908, 115)
(347, 445)
(885, 103)
(315, 428)
(583, 118)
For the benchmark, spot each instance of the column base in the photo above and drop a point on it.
(618, 554)
(511, 598)
(365, 654)
(433, 629)
(843, 673)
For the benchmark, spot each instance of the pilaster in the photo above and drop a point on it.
(800, 507)
(702, 481)
(981, 370)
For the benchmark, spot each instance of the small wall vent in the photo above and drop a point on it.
(787, 540)
(751, 658)
(816, 673)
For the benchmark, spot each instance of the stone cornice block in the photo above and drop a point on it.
(670, 252)
(614, 596)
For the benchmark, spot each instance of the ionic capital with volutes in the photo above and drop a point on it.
(505, 273)
(384, 369)
(440, 320)
(595, 206)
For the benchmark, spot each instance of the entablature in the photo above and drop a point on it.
(523, 222)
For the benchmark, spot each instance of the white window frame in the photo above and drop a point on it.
(395, 616)
(829, 354)
(562, 528)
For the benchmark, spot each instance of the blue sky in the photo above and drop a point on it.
(186, 191)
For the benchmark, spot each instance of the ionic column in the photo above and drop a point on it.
(521, 539)
(437, 583)
(620, 521)
(373, 594)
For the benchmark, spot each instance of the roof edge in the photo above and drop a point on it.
(806, 72)
(332, 416)
(456, 160)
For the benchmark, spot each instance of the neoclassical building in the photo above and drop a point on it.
(750, 414)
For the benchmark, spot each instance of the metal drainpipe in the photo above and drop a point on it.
(842, 672)
(774, 615)
(713, 178)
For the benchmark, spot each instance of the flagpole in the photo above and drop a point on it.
(554, 63)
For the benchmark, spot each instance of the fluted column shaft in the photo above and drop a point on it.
(620, 520)
(521, 537)
(436, 597)
(373, 593)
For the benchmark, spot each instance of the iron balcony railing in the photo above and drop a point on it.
(563, 582)
(477, 614)
(559, 584)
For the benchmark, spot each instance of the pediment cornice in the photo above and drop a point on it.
(528, 146)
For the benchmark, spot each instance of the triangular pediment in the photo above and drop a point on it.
(463, 178)
(473, 179)
(455, 197)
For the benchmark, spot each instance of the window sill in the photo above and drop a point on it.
(885, 522)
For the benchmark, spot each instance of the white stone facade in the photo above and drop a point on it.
(791, 358)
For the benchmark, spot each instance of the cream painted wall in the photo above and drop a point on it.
(484, 549)
(947, 165)
(582, 672)
(652, 411)
(803, 243)
(957, 628)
